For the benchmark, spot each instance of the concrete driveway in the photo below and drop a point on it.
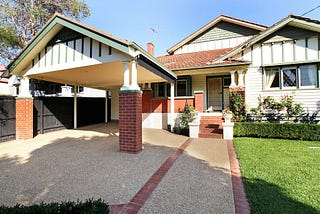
(173, 174)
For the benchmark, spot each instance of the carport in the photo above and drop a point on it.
(69, 52)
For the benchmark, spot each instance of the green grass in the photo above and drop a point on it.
(280, 176)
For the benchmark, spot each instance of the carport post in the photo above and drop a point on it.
(106, 105)
(75, 109)
(130, 113)
(171, 122)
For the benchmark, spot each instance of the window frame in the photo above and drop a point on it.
(316, 76)
(298, 77)
(282, 77)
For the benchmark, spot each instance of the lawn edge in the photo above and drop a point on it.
(240, 199)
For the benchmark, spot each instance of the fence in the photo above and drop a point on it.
(52, 113)
(7, 118)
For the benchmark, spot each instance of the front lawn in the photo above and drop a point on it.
(280, 176)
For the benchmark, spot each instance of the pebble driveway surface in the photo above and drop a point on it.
(173, 174)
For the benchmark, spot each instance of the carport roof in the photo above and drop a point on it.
(57, 22)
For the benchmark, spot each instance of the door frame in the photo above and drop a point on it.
(222, 89)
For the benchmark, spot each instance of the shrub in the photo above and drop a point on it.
(278, 130)
(89, 206)
(237, 106)
(186, 116)
(273, 111)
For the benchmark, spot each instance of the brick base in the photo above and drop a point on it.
(130, 121)
(24, 118)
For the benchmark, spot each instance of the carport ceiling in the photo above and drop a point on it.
(100, 76)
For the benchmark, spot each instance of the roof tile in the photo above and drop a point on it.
(194, 59)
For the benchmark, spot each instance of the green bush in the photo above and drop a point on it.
(237, 106)
(89, 206)
(278, 130)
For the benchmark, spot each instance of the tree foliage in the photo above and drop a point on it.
(22, 19)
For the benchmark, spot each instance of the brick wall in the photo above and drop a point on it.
(198, 101)
(162, 105)
(130, 121)
(24, 118)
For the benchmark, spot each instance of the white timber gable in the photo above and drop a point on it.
(72, 54)
(223, 32)
(285, 62)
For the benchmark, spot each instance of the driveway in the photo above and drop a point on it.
(173, 174)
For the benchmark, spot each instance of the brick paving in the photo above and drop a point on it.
(240, 199)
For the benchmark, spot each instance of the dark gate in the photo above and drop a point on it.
(54, 113)
(7, 118)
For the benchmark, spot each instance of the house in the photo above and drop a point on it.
(227, 54)
(4, 89)
(230, 54)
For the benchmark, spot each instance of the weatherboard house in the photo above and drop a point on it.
(227, 54)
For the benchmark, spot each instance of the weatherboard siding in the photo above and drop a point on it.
(77, 53)
(224, 30)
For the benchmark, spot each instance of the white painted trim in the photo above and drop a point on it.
(75, 109)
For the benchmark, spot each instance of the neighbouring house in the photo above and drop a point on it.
(230, 54)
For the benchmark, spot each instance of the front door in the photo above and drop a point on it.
(218, 92)
(215, 93)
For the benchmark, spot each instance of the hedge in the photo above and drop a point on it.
(89, 206)
(309, 132)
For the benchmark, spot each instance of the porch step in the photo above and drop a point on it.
(211, 127)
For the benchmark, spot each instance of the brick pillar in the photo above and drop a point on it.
(24, 118)
(198, 101)
(130, 121)
(147, 101)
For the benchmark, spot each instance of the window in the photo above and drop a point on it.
(272, 78)
(303, 76)
(159, 89)
(289, 77)
(182, 87)
(308, 75)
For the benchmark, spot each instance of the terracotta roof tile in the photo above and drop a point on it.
(195, 59)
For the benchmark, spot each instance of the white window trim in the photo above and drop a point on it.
(308, 86)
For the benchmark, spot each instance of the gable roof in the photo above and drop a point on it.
(211, 24)
(58, 21)
(195, 60)
(292, 20)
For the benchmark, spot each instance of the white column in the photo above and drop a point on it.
(75, 113)
(126, 76)
(134, 76)
(240, 78)
(171, 122)
(233, 81)
(106, 109)
(25, 87)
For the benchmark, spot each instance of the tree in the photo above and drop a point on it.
(22, 19)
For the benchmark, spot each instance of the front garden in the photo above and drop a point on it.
(280, 176)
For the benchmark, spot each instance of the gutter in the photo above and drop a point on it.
(212, 66)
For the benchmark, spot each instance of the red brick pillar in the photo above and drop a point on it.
(198, 101)
(147, 101)
(130, 121)
(24, 118)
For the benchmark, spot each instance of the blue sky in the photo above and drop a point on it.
(175, 19)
